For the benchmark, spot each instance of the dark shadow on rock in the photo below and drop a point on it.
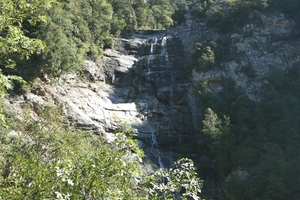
(147, 70)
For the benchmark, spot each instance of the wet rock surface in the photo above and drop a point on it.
(142, 82)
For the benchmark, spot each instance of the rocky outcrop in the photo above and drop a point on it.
(266, 45)
(142, 82)
(136, 83)
(163, 97)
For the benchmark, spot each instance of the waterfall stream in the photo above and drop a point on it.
(159, 68)
(155, 150)
(158, 89)
(154, 147)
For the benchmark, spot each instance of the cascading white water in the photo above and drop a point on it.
(168, 71)
(161, 97)
(155, 150)
(153, 43)
(164, 48)
(152, 54)
(165, 60)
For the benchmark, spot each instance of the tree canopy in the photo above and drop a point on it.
(14, 43)
(254, 145)
(46, 157)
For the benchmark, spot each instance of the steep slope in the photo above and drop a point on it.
(148, 82)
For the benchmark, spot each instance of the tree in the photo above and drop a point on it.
(14, 44)
(162, 12)
(212, 124)
(144, 15)
(49, 159)
(181, 180)
(204, 56)
(76, 30)
(123, 10)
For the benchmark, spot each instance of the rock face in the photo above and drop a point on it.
(266, 45)
(142, 83)
(165, 110)
(136, 84)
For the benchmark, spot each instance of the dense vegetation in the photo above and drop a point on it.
(47, 158)
(42, 156)
(75, 30)
(63, 36)
(255, 142)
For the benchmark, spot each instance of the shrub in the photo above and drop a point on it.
(248, 71)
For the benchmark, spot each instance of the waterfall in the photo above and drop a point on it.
(153, 43)
(161, 99)
(141, 83)
(165, 61)
(158, 50)
(164, 48)
(155, 150)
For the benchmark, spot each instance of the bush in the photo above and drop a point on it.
(219, 19)
(181, 180)
(248, 71)
(49, 159)
(203, 58)
(46, 158)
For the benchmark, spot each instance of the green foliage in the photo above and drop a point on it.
(52, 160)
(204, 57)
(209, 54)
(211, 124)
(47, 158)
(230, 15)
(123, 10)
(181, 180)
(13, 40)
(199, 8)
(238, 187)
(75, 30)
(251, 4)
(218, 131)
(143, 15)
(14, 44)
(3, 116)
(248, 71)
(181, 9)
(207, 99)
(162, 12)
(217, 17)
(130, 135)
(262, 138)
(271, 171)
(241, 10)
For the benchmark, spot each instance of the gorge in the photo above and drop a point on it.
(135, 84)
(145, 82)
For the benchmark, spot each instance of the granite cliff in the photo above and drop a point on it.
(143, 82)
